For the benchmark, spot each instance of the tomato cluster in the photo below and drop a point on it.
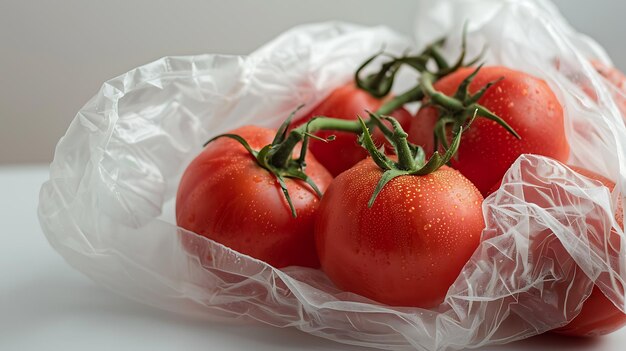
(398, 226)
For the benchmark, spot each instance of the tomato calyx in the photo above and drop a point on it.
(379, 84)
(290, 168)
(411, 158)
(456, 110)
(277, 157)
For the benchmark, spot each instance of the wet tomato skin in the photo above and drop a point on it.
(224, 195)
(487, 150)
(410, 246)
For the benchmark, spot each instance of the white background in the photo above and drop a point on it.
(54, 55)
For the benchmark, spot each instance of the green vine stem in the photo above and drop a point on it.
(411, 95)
(456, 110)
(277, 157)
(379, 83)
(281, 154)
(411, 158)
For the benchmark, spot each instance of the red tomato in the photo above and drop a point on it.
(612, 74)
(487, 150)
(410, 246)
(226, 196)
(617, 80)
(599, 315)
(346, 102)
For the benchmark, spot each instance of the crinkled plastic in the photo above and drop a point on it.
(108, 206)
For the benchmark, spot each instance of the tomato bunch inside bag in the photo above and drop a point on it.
(396, 228)
(429, 195)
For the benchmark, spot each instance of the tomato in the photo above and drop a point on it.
(612, 74)
(599, 315)
(346, 102)
(617, 80)
(487, 150)
(226, 196)
(410, 246)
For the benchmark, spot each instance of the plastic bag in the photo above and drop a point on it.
(108, 206)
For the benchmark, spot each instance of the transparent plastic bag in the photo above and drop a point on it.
(108, 207)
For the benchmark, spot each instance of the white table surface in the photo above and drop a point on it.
(46, 305)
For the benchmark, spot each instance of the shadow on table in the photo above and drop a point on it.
(549, 341)
(58, 298)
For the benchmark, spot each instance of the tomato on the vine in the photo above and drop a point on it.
(399, 230)
(598, 315)
(226, 196)
(410, 246)
(346, 102)
(525, 103)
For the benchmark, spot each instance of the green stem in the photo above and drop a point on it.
(406, 161)
(415, 94)
(282, 153)
(442, 64)
(437, 97)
